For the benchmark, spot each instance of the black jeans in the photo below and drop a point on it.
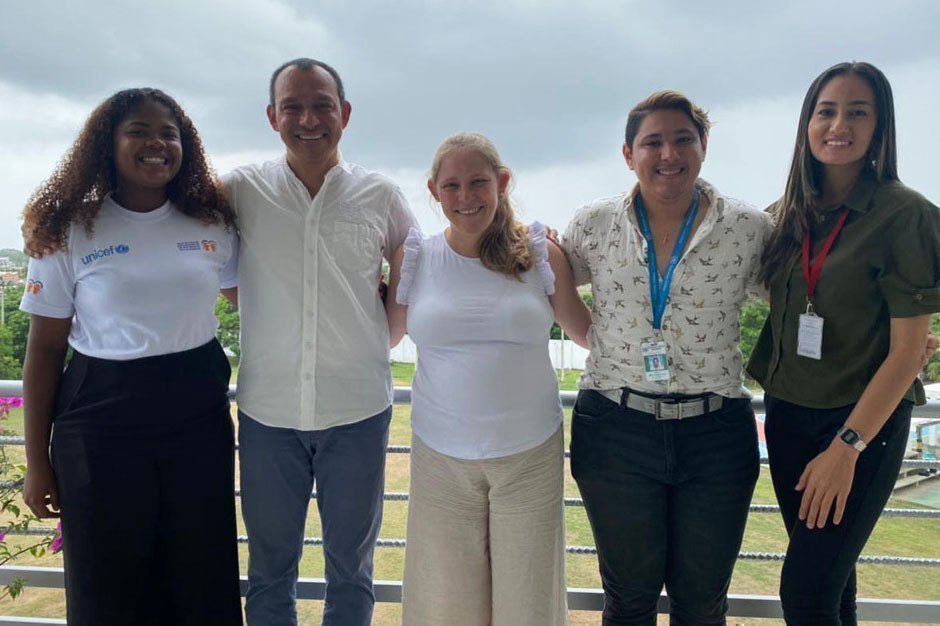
(668, 502)
(817, 585)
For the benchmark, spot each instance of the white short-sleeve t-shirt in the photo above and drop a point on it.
(141, 285)
(485, 387)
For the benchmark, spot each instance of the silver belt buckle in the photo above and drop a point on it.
(659, 414)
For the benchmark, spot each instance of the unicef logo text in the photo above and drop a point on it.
(100, 253)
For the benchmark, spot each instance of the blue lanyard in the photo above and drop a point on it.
(660, 286)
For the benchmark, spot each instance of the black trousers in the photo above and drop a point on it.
(143, 453)
(818, 584)
(667, 502)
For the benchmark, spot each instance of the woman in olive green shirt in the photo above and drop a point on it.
(853, 268)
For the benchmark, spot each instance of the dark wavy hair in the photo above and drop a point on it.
(86, 174)
(804, 183)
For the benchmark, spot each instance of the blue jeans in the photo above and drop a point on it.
(278, 468)
(667, 502)
(817, 583)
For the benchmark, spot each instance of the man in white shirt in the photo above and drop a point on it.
(314, 387)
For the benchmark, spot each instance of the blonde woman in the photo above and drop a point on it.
(485, 525)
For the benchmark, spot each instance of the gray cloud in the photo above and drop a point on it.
(543, 77)
(550, 83)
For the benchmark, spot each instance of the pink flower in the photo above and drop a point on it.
(56, 544)
(9, 403)
(3, 535)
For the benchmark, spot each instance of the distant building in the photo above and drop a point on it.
(11, 278)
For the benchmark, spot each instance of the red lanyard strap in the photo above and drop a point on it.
(811, 274)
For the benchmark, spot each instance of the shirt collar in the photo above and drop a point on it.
(148, 216)
(859, 198)
(716, 203)
(342, 166)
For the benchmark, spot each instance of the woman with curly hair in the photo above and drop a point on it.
(141, 465)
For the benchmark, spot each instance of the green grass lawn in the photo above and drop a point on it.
(893, 536)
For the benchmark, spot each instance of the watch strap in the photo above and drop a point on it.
(851, 437)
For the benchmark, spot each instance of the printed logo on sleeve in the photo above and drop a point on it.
(206, 245)
(33, 286)
(100, 253)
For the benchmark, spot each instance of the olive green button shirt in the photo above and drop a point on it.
(885, 263)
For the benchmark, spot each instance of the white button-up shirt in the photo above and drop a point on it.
(716, 274)
(314, 337)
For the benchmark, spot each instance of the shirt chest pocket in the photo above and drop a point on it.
(355, 247)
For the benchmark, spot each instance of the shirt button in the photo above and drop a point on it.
(308, 345)
(308, 377)
(918, 297)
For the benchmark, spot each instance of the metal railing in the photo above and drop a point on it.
(759, 606)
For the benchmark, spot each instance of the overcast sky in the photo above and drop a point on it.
(551, 84)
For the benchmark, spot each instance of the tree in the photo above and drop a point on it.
(13, 334)
(10, 367)
(16, 257)
(16, 321)
(588, 298)
(752, 319)
(228, 326)
(932, 369)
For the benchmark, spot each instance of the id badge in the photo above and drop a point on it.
(655, 360)
(809, 339)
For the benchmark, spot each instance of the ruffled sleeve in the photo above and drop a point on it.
(409, 264)
(539, 245)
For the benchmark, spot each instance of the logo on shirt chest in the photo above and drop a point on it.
(101, 253)
(33, 286)
(206, 245)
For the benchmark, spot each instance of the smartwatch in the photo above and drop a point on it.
(850, 437)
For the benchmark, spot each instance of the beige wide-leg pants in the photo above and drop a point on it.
(486, 539)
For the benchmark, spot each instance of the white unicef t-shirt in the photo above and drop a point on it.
(143, 284)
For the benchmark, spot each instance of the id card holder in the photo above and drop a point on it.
(809, 337)
(655, 360)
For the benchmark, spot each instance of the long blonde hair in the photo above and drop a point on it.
(504, 247)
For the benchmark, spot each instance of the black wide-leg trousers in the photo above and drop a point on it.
(143, 453)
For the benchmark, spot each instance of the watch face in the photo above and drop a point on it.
(850, 437)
